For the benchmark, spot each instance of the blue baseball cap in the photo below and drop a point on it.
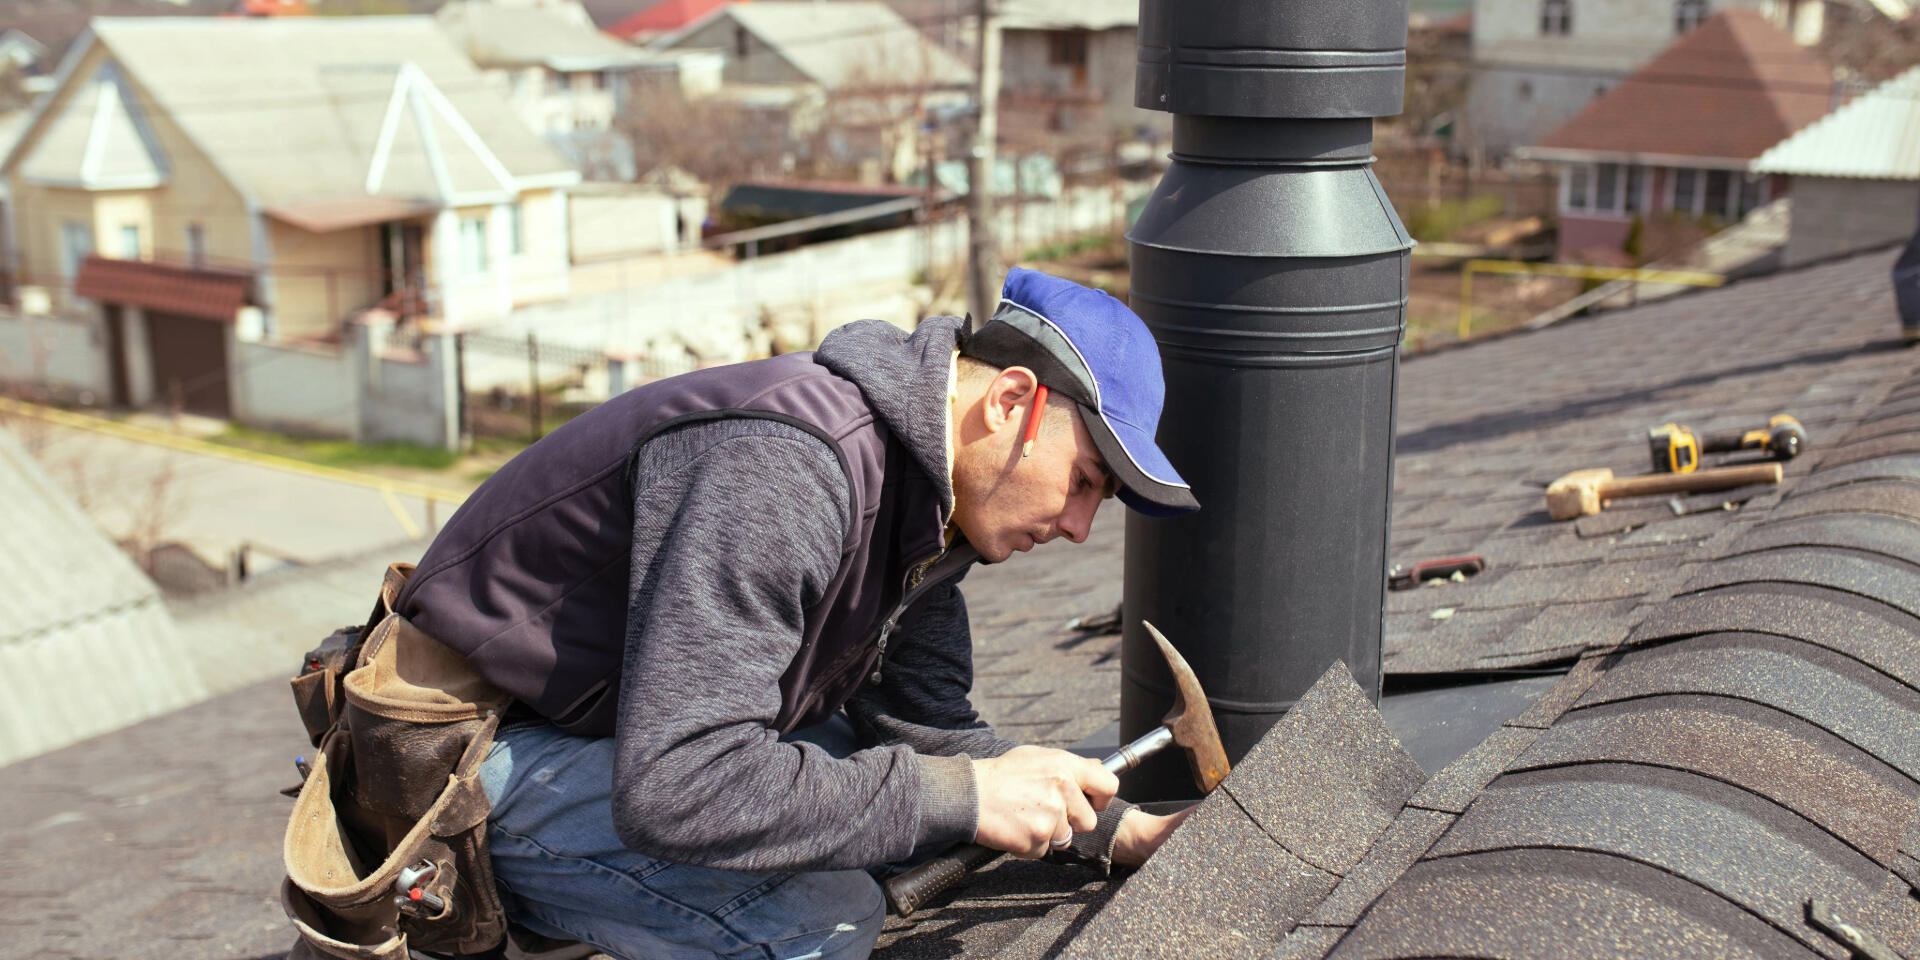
(1088, 346)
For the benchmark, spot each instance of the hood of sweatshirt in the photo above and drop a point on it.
(904, 377)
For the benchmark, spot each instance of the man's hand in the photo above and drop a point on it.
(1033, 796)
(1141, 833)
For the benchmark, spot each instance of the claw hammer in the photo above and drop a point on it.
(1189, 725)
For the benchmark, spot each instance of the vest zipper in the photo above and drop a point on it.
(914, 575)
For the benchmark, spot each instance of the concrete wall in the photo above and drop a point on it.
(66, 352)
(610, 224)
(310, 390)
(1832, 216)
(410, 397)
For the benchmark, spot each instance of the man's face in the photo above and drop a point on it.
(1005, 503)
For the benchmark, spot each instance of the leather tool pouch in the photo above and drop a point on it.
(386, 848)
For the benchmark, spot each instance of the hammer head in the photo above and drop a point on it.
(1577, 494)
(1191, 719)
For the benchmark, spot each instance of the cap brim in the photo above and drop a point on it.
(1148, 483)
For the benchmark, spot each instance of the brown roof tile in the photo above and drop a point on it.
(1731, 88)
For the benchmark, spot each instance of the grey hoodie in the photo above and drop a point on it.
(740, 522)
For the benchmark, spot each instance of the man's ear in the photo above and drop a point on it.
(1007, 397)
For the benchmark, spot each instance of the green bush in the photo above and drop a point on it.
(1448, 217)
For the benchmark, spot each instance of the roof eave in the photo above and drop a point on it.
(1581, 155)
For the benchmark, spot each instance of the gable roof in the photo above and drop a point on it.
(1727, 90)
(497, 35)
(86, 645)
(98, 139)
(1877, 136)
(664, 17)
(332, 109)
(1068, 14)
(844, 44)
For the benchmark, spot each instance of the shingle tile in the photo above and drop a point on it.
(1900, 498)
(1890, 536)
(1566, 693)
(1307, 943)
(1834, 784)
(1899, 444)
(1557, 903)
(1863, 629)
(1905, 467)
(1328, 778)
(1742, 847)
(1880, 578)
(1861, 705)
(1452, 789)
(1885, 424)
(1220, 887)
(1404, 842)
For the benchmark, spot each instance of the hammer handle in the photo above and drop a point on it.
(911, 890)
(1719, 478)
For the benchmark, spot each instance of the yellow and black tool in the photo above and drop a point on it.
(1677, 449)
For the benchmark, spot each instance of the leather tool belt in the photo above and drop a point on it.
(387, 845)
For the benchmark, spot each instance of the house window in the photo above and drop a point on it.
(1686, 190)
(1606, 193)
(129, 241)
(1636, 184)
(1579, 181)
(76, 241)
(1067, 48)
(1526, 90)
(1556, 17)
(517, 227)
(740, 42)
(473, 245)
(556, 83)
(1719, 193)
(196, 245)
(1688, 14)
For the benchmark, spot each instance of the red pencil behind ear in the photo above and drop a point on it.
(1033, 420)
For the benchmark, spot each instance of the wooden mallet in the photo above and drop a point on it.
(1584, 492)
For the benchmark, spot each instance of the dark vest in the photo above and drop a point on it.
(529, 579)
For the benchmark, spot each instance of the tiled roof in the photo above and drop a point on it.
(167, 288)
(667, 15)
(1875, 136)
(1728, 89)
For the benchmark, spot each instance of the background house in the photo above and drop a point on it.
(792, 66)
(1679, 135)
(1855, 174)
(651, 22)
(1536, 63)
(364, 163)
(1067, 76)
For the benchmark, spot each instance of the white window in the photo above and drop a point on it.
(1688, 14)
(1686, 190)
(1556, 17)
(129, 241)
(196, 245)
(473, 245)
(76, 241)
(1614, 188)
(1579, 182)
(1753, 192)
(517, 227)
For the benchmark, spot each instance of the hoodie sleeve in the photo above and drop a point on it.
(738, 527)
(922, 701)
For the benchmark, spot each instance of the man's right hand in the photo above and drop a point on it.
(1033, 796)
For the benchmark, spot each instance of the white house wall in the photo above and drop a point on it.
(1834, 215)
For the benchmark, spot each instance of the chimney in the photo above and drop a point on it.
(1273, 272)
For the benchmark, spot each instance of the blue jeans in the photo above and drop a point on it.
(563, 872)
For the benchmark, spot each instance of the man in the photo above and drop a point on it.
(726, 604)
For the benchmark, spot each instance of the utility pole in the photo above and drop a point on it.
(983, 287)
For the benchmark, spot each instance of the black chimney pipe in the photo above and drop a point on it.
(1273, 272)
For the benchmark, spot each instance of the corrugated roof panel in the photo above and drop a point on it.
(85, 644)
(1876, 136)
